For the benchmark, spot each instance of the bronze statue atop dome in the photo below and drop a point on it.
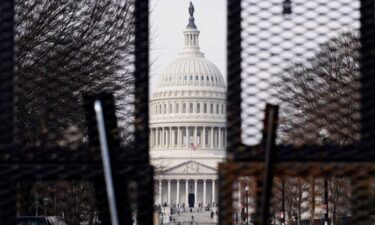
(191, 9)
(191, 24)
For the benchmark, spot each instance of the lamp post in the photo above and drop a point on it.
(247, 204)
(323, 134)
(36, 202)
(283, 202)
(45, 200)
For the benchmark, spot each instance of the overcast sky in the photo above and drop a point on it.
(168, 20)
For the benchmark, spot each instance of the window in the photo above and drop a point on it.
(165, 108)
(222, 109)
(183, 107)
(204, 108)
(191, 108)
(212, 108)
(191, 77)
(159, 109)
(198, 108)
(170, 108)
(217, 108)
(177, 107)
(196, 78)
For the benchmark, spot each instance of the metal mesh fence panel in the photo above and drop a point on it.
(314, 59)
(58, 60)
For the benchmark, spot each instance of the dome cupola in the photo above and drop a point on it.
(191, 68)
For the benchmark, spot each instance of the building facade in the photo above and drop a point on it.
(187, 127)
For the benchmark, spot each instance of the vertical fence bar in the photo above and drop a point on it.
(367, 64)
(141, 12)
(6, 71)
(7, 188)
(234, 78)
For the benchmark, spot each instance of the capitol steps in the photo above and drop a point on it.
(198, 218)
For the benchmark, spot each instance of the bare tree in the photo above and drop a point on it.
(322, 93)
(73, 200)
(339, 189)
(67, 49)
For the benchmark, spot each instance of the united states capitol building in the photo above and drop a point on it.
(188, 128)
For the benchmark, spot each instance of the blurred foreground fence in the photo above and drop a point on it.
(57, 58)
(313, 164)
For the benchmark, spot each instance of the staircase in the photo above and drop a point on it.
(197, 216)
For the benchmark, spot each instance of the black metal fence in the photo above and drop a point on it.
(314, 59)
(57, 59)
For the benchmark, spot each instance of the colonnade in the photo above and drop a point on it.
(184, 136)
(182, 191)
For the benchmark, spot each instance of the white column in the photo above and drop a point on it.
(219, 137)
(195, 135)
(186, 193)
(212, 137)
(213, 191)
(178, 192)
(204, 193)
(172, 137)
(224, 138)
(187, 137)
(162, 138)
(201, 144)
(195, 192)
(169, 137)
(157, 137)
(169, 192)
(178, 137)
(204, 137)
(160, 192)
(153, 137)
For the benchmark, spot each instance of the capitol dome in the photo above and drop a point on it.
(188, 125)
(191, 70)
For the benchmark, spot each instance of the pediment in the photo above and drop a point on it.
(191, 167)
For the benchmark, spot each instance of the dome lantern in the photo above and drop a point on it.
(191, 35)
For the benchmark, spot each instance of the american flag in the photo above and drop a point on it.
(193, 146)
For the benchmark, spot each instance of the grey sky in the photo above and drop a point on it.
(169, 18)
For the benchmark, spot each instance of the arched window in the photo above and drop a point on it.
(198, 108)
(191, 108)
(205, 108)
(183, 107)
(177, 107)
